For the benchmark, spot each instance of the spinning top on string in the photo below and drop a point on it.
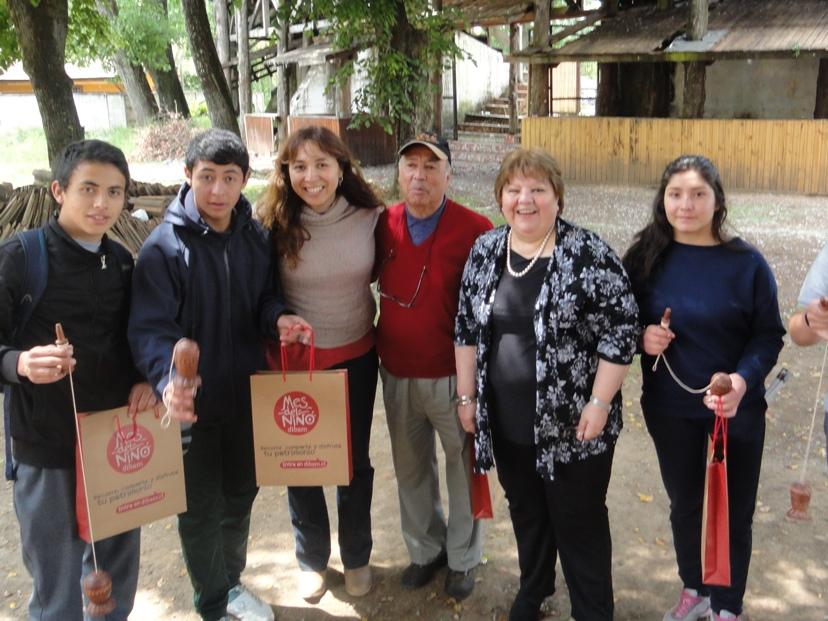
(800, 500)
(97, 586)
(720, 384)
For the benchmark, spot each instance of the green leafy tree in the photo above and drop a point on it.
(408, 41)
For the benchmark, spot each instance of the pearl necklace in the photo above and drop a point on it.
(534, 260)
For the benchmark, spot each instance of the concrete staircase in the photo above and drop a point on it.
(493, 117)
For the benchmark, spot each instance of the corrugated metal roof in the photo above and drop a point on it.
(736, 29)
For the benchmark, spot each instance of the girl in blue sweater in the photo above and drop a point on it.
(725, 318)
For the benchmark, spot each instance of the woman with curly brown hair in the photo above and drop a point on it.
(321, 214)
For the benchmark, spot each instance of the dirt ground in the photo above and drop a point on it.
(789, 570)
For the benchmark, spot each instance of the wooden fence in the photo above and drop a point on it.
(775, 155)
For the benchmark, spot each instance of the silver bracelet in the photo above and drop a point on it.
(598, 402)
(465, 399)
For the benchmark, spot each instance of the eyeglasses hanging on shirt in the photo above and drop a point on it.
(401, 300)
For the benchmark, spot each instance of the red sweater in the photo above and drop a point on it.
(419, 341)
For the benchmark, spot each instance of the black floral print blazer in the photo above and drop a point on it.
(585, 311)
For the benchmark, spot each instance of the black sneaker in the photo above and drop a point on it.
(415, 576)
(524, 609)
(460, 584)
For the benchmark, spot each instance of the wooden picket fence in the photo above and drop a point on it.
(773, 155)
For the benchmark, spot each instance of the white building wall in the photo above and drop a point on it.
(95, 111)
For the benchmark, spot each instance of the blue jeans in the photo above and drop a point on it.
(308, 511)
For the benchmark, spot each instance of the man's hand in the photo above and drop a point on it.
(180, 401)
(293, 329)
(141, 398)
(46, 364)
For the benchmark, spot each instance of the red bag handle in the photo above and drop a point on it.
(120, 431)
(719, 433)
(311, 358)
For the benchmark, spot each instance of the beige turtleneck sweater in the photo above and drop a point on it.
(330, 285)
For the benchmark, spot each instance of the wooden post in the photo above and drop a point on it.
(437, 82)
(513, 80)
(282, 81)
(539, 73)
(611, 7)
(697, 23)
(243, 55)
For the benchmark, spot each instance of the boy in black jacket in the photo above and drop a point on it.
(87, 290)
(204, 274)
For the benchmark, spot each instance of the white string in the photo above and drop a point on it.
(166, 396)
(695, 391)
(813, 417)
(83, 470)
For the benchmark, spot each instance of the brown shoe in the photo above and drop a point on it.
(358, 582)
(311, 585)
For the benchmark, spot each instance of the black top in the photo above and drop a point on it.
(88, 293)
(514, 349)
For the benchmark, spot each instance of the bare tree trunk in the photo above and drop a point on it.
(135, 81)
(821, 105)
(168, 87)
(208, 67)
(137, 88)
(697, 22)
(513, 81)
(694, 90)
(41, 35)
(243, 55)
(539, 74)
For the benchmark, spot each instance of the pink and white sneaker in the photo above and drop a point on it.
(690, 607)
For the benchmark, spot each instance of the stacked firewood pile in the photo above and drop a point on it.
(31, 206)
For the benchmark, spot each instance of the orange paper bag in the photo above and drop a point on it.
(301, 428)
(134, 472)
(715, 550)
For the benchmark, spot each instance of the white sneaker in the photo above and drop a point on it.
(246, 605)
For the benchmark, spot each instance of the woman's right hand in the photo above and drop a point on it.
(293, 329)
(656, 339)
(466, 414)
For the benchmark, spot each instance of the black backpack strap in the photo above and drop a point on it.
(35, 276)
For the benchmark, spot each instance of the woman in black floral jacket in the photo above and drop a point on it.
(546, 330)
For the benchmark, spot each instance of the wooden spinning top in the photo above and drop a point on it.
(665, 318)
(800, 499)
(97, 586)
(720, 384)
(185, 359)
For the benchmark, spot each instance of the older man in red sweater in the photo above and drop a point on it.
(422, 246)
